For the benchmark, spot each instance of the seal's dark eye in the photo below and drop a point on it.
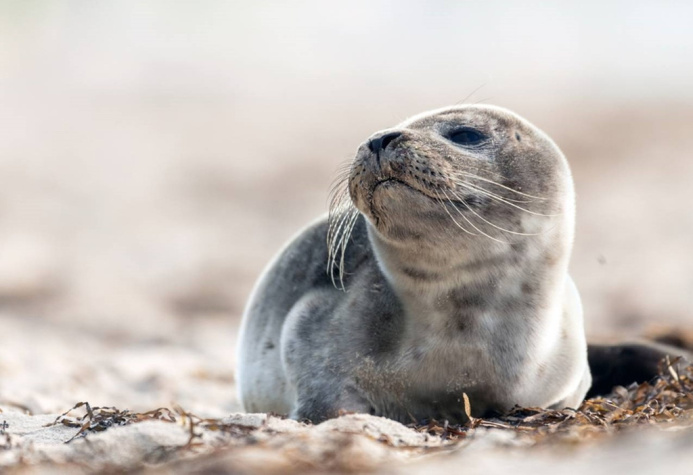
(466, 137)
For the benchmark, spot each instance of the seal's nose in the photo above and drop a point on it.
(380, 143)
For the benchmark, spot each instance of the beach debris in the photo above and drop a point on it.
(98, 419)
(668, 398)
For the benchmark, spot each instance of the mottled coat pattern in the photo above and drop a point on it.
(452, 247)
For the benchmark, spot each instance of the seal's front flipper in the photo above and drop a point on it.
(621, 365)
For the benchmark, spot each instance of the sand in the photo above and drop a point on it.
(141, 195)
(47, 368)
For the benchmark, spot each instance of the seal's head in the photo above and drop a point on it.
(473, 162)
(460, 184)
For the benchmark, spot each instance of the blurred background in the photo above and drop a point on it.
(155, 155)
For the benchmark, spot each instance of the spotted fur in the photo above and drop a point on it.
(451, 265)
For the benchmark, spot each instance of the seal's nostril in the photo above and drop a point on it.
(380, 143)
(389, 138)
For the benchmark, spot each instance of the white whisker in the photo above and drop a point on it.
(470, 223)
(477, 177)
(503, 200)
(451, 217)
(459, 198)
(337, 241)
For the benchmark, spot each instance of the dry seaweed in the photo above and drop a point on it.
(666, 399)
(98, 419)
(5, 438)
(194, 422)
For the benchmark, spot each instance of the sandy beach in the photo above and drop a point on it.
(153, 159)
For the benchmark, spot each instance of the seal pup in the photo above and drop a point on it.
(440, 271)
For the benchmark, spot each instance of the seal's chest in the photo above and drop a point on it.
(450, 369)
(435, 389)
(430, 383)
(423, 374)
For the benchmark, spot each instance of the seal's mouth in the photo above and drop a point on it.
(436, 197)
(395, 181)
(387, 183)
(441, 200)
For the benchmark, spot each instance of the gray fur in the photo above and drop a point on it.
(431, 310)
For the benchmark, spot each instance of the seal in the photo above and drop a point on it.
(441, 271)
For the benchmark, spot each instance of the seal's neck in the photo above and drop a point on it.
(432, 268)
(448, 285)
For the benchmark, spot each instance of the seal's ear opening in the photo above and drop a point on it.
(622, 365)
